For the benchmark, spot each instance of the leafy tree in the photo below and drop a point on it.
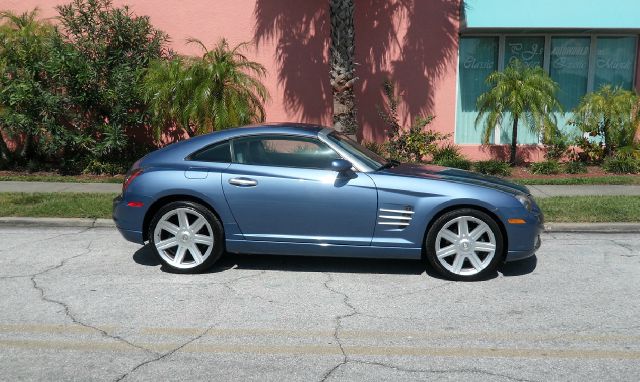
(612, 113)
(30, 104)
(521, 94)
(342, 70)
(72, 93)
(111, 49)
(219, 90)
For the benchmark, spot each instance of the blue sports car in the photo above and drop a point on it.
(298, 189)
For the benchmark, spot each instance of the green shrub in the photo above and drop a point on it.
(407, 145)
(621, 165)
(449, 151)
(459, 162)
(547, 167)
(592, 152)
(492, 167)
(556, 147)
(574, 167)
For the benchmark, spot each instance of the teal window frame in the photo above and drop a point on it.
(498, 138)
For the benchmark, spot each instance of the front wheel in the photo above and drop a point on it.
(465, 245)
(186, 237)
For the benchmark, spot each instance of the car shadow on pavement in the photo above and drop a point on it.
(519, 268)
(145, 256)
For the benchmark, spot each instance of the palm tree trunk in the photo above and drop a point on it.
(342, 70)
(514, 140)
(607, 138)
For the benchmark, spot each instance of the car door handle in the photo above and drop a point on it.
(243, 182)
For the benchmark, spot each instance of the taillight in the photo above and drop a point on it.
(130, 177)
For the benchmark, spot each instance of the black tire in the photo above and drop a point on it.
(216, 228)
(442, 221)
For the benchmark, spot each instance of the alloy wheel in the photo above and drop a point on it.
(183, 238)
(465, 245)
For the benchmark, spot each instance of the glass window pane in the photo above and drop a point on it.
(283, 152)
(478, 58)
(615, 61)
(569, 67)
(219, 152)
(529, 50)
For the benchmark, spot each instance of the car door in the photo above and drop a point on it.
(281, 188)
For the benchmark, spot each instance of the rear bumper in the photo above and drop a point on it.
(128, 220)
(134, 236)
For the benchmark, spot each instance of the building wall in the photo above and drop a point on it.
(414, 43)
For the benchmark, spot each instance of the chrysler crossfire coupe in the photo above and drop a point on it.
(298, 189)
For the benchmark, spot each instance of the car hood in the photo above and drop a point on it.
(457, 176)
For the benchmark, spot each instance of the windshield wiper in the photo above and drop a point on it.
(390, 163)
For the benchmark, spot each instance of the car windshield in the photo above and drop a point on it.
(362, 153)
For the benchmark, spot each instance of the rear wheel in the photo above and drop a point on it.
(186, 237)
(465, 244)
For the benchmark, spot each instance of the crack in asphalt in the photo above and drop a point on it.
(227, 284)
(67, 308)
(627, 247)
(440, 371)
(163, 355)
(338, 326)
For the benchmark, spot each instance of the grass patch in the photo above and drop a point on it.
(62, 178)
(79, 205)
(64, 205)
(591, 209)
(608, 179)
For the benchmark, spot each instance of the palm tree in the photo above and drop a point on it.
(612, 113)
(522, 94)
(342, 70)
(221, 89)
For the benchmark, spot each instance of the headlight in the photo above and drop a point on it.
(525, 201)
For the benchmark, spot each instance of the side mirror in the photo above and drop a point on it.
(340, 165)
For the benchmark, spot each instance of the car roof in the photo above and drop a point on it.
(296, 128)
(183, 148)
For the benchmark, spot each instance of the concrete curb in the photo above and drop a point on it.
(108, 223)
(613, 227)
(56, 222)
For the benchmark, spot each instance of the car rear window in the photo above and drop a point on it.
(219, 152)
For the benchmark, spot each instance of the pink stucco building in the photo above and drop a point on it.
(437, 52)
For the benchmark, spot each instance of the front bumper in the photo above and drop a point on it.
(530, 234)
(521, 255)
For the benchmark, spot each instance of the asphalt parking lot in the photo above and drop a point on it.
(83, 304)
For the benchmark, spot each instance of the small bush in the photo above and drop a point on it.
(447, 152)
(406, 144)
(492, 167)
(460, 162)
(621, 165)
(547, 167)
(574, 167)
(556, 148)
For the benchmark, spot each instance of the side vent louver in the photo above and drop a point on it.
(400, 218)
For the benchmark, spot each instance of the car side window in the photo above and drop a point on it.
(219, 152)
(283, 151)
